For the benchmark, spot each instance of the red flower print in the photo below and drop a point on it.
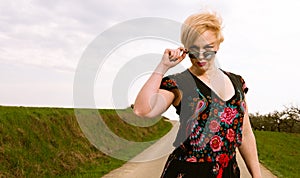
(173, 82)
(233, 101)
(230, 135)
(224, 149)
(241, 119)
(214, 126)
(209, 159)
(244, 105)
(236, 121)
(216, 111)
(169, 83)
(223, 160)
(192, 159)
(201, 105)
(216, 143)
(222, 133)
(228, 115)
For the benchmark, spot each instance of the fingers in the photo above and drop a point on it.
(183, 53)
(176, 54)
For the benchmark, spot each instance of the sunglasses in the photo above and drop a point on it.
(206, 54)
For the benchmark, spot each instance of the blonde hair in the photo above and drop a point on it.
(197, 24)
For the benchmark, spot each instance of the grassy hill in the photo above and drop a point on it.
(279, 152)
(48, 142)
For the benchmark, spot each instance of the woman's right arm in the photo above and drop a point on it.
(152, 101)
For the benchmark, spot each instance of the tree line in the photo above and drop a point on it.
(287, 120)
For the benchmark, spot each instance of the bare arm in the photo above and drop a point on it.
(152, 101)
(248, 148)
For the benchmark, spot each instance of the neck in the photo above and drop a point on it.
(213, 70)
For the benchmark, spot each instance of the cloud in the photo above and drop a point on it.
(42, 34)
(260, 36)
(55, 33)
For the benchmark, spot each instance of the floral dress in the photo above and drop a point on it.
(210, 128)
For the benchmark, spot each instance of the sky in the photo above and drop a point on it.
(42, 43)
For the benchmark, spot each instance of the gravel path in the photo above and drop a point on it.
(149, 163)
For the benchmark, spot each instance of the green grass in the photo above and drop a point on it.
(279, 152)
(48, 142)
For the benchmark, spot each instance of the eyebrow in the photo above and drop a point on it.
(210, 45)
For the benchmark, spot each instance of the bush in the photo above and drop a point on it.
(287, 120)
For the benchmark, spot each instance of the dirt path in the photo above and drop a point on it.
(149, 163)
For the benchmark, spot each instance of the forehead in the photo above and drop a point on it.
(206, 38)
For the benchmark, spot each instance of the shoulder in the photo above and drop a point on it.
(181, 80)
(235, 76)
(170, 82)
(231, 73)
(178, 77)
(238, 80)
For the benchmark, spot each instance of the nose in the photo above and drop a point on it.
(201, 55)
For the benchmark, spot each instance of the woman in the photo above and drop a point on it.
(210, 102)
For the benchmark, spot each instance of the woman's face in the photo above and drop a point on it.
(202, 52)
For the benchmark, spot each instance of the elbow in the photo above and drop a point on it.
(140, 113)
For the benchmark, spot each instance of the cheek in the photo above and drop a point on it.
(194, 61)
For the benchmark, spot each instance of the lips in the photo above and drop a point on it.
(201, 64)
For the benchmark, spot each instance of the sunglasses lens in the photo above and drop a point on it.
(207, 55)
(193, 56)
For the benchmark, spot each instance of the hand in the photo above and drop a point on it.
(172, 57)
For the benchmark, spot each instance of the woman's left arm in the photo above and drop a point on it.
(248, 148)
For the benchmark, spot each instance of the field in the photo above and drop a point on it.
(279, 152)
(48, 142)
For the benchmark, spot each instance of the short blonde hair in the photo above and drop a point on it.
(197, 24)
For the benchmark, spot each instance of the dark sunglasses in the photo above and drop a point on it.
(206, 54)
